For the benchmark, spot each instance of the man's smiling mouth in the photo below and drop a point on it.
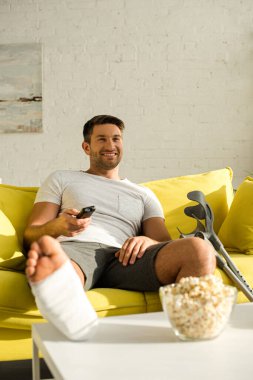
(109, 154)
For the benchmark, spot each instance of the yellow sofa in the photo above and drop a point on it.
(17, 307)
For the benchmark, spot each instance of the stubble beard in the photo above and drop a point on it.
(99, 163)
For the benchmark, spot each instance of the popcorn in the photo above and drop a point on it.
(198, 307)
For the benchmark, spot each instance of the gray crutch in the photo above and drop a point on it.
(203, 211)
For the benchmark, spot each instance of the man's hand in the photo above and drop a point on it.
(69, 225)
(133, 248)
(45, 219)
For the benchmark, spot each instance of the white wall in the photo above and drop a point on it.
(178, 72)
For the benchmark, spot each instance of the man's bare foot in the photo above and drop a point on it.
(44, 257)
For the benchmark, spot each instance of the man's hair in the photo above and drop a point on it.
(99, 120)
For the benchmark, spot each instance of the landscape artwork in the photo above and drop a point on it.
(20, 88)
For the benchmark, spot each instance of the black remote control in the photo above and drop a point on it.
(86, 212)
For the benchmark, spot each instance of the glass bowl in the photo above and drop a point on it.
(198, 308)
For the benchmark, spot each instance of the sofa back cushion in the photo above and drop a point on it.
(172, 193)
(236, 233)
(15, 206)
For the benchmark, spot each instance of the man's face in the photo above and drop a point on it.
(105, 148)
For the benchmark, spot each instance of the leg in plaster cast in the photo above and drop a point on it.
(58, 290)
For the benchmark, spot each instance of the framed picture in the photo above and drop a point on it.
(20, 88)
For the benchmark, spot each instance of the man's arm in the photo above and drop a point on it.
(46, 220)
(154, 231)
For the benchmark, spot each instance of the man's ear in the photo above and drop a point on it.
(86, 147)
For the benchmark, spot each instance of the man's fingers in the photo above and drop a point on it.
(82, 223)
(78, 225)
(126, 251)
(71, 211)
(135, 253)
(75, 232)
(131, 253)
(142, 250)
(133, 248)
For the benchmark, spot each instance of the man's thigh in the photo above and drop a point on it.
(92, 259)
(139, 276)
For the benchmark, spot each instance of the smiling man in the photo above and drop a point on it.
(124, 244)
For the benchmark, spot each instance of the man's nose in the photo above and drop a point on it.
(110, 144)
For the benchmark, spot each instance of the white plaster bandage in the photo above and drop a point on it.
(61, 299)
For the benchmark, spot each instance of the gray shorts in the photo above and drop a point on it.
(103, 270)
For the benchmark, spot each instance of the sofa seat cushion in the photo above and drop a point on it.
(15, 345)
(17, 340)
(245, 265)
(19, 311)
(17, 306)
(172, 193)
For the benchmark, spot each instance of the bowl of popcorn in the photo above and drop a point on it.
(198, 307)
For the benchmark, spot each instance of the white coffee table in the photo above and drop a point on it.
(142, 346)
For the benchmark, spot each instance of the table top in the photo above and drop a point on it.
(143, 346)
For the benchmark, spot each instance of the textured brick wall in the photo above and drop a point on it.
(179, 73)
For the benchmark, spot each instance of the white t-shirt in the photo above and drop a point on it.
(121, 206)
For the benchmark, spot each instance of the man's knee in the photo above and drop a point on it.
(202, 254)
(183, 258)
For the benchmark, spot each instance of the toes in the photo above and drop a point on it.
(44, 257)
(35, 246)
(32, 254)
(29, 271)
(31, 262)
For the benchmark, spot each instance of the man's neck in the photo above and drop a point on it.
(110, 174)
